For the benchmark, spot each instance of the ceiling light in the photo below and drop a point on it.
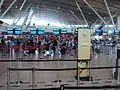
(16, 6)
(58, 8)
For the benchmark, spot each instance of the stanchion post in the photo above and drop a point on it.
(58, 71)
(8, 78)
(10, 56)
(33, 78)
(62, 87)
(78, 77)
(18, 72)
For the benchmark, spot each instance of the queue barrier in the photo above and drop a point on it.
(64, 69)
(89, 87)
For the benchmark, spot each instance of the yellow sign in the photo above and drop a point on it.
(84, 44)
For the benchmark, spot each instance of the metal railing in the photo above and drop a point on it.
(33, 70)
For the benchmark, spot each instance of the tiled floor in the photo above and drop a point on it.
(45, 79)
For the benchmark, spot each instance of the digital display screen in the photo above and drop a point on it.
(64, 30)
(55, 33)
(105, 31)
(18, 29)
(17, 32)
(98, 31)
(4, 33)
(9, 28)
(41, 29)
(10, 32)
(117, 32)
(33, 32)
(40, 33)
(25, 33)
(56, 29)
(33, 28)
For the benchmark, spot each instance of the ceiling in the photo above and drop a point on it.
(59, 10)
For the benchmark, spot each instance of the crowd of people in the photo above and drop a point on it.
(105, 45)
(47, 45)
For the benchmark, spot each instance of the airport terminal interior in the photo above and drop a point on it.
(59, 45)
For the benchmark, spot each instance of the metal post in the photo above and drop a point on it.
(58, 71)
(33, 78)
(62, 87)
(78, 75)
(8, 78)
(10, 55)
(18, 72)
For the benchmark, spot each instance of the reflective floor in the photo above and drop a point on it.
(45, 79)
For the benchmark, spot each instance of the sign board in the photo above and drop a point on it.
(83, 64)
(84, 44)
(84, 51)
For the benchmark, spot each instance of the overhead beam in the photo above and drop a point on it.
(95, 12)
(22, 14)
(75, 17)
(8, 9)
(106, 4)
(1, 3)
(81, 12)
(19, 11)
